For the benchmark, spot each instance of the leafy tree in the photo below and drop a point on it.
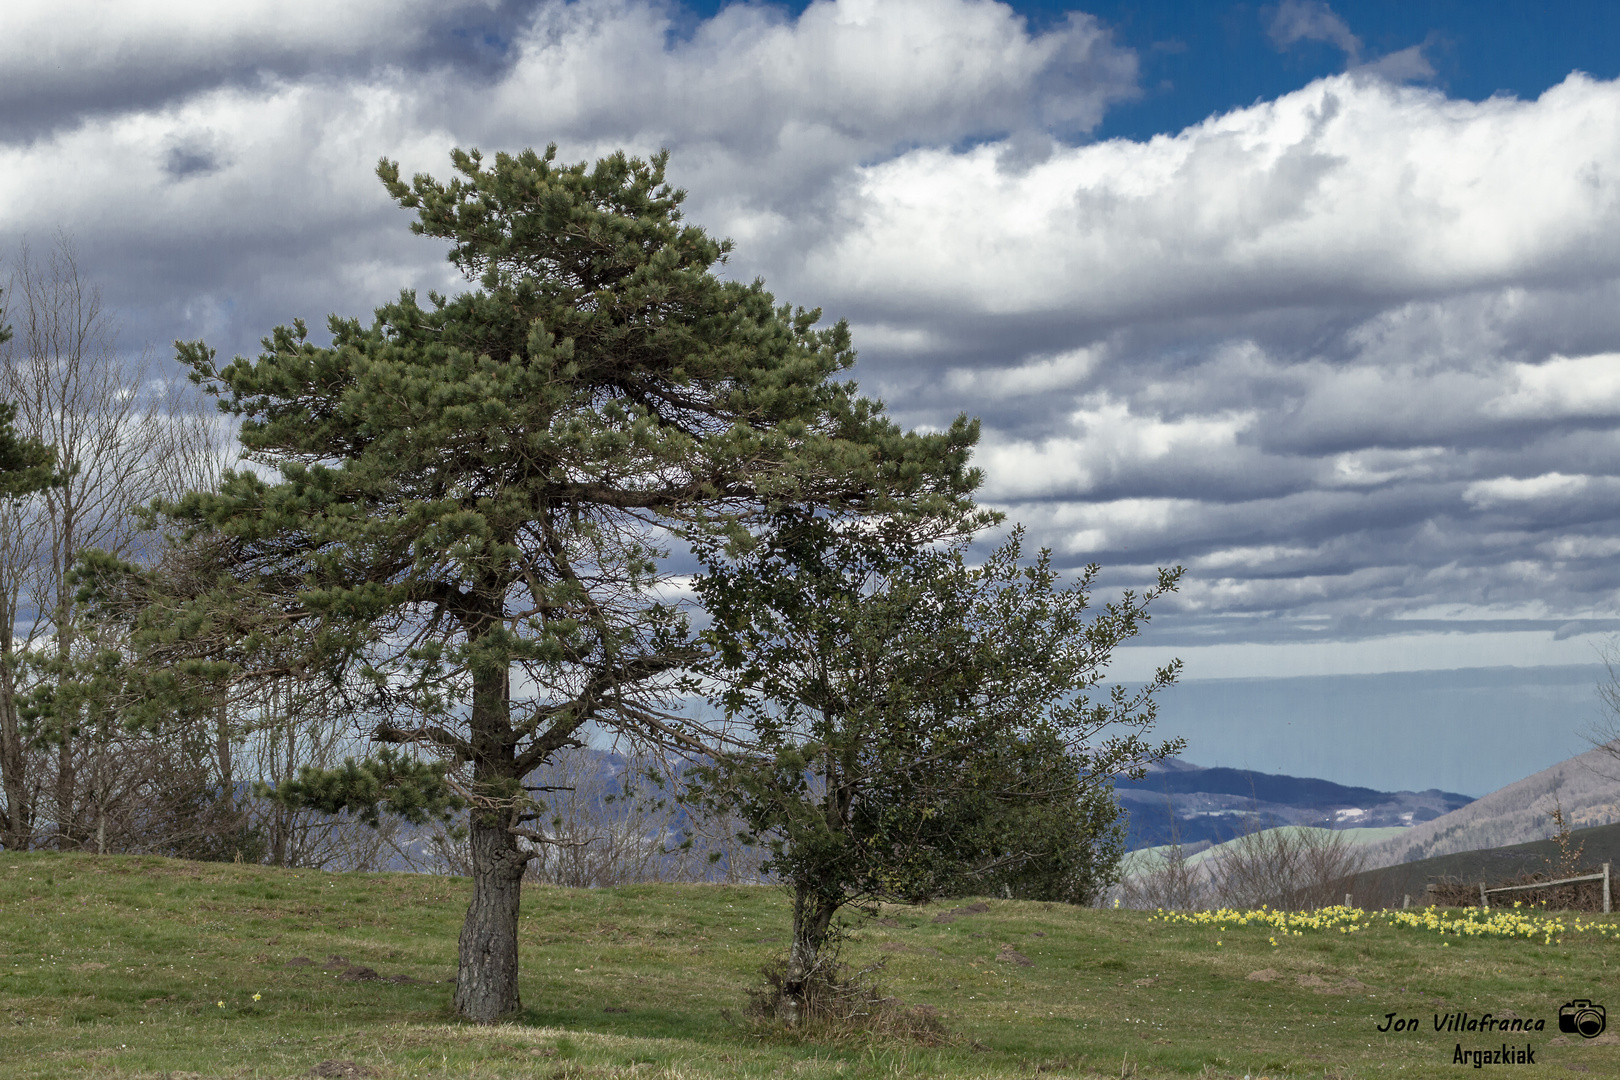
(898, 702)
(473, 496)
(1047, 826)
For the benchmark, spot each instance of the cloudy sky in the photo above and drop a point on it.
(1322, 302)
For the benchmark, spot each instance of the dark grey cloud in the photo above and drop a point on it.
(64, 61)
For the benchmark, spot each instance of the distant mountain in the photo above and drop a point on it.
(1587, 786)
(1180, 801)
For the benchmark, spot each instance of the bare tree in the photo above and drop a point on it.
(1163, 878)
(1293, 867)
(288, 726)
(1604, 733)
(120, 439)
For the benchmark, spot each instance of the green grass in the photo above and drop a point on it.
(115, 966)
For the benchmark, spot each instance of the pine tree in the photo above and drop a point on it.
(474, 496)
(26, 464)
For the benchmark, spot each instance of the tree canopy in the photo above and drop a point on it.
(461, 509)
(26, 464)
(913, 721)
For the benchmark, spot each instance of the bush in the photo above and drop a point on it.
(1164, 879)
(837, 1003)
(1292, 868)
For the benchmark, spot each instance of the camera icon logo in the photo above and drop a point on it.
(1581, 1017)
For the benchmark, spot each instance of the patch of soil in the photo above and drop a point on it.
(299, 961)
(341, 1068)
(1010, 955)
(1322, 986)
(357, 973)
(956, 913)
(1264, 975)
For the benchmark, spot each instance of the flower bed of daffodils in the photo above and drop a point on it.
(1514, 922)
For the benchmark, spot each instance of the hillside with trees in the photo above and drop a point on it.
(446, 560)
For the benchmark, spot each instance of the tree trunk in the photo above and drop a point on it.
(19, 815)
(486, 982)
(812, 916)
(281, 823)
(65, 838)
(67, 832)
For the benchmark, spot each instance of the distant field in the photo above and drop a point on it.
(1354, 836)
(142, 967)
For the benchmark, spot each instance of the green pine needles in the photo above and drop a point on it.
(459, 512)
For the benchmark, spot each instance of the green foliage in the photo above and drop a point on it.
(1043, 829)
(477, 493)
(481, 486)
(920, 722)
(388, 782)
(26, 465)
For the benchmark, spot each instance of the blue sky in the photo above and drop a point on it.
(1319, 301)
(1199, 58)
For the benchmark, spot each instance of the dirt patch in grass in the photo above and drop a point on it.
(341, 1068)
(1010, 955)
(956, 913)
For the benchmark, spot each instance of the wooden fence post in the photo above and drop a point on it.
(1605, 888)
(1407, 902)
(1484, 903)
(1347, 902)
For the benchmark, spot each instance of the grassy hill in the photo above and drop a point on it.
(142, 967)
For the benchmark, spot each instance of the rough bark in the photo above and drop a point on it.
(486, 981)
(812, 917)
